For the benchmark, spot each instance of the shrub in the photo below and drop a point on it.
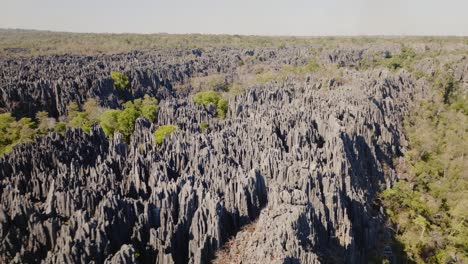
(387, 54)
(5, 140)
(126, 121)
(23, 129)
(132, 110)
(149, 107)
(428, 207)
(203, 126)
(120, 80)
(60, 127)
(162, 131)
(312, 66)
(92, 109)
(393, 63)
(215, 82)
(45, 124)
(404, 59)
(72, 110)
(207, 98)
(215, 98)
(407, 53)
(13, 132)
(109, 121)
(41, 118)
(367, 63)
(112, 120)
(222, 108)
(265, 77)
(82, 121)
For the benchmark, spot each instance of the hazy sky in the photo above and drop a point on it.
(259, 17)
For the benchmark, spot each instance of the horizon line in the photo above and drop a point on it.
(5, 29)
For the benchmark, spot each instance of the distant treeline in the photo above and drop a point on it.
(32, 42)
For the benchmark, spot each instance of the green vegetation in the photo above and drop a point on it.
(109, 121)
(148, 107)
(311, 67)
(203, 126)
(13, 132)
(162, 132)
(218, 83)
(42, 127)
(211, 97)
(60, 127)
(405, 59)
(215, 82)
(221, 108)
(430, 206)
(81, 120)
(84, 119)
(29, 42)
(263, 76)
(120, 80)
(124, 120)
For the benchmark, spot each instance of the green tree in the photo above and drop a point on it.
(429, 205)
(43, 122)
(5, 121)
(149, 108)
(206, 98)
(16, 132)
(120, 80)
(222, 108)
(422, 223)
(72, 110)
(162, 132)
(126, 121)
(22, 130)
(13, 132)
(123, 120)
(92, 109)
(109, 121)
(60, 127)
(211, 97)
(82, 121)
(5, 140)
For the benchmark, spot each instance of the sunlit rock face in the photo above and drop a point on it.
(302, 162)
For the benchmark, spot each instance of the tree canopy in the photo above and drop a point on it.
(211, 97)
(162, 132)
(120, 80)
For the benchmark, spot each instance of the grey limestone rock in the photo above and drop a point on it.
(304, 165)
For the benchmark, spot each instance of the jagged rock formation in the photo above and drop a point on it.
(50, 83)
(304, 163)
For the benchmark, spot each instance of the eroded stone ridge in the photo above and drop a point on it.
(304, 163)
